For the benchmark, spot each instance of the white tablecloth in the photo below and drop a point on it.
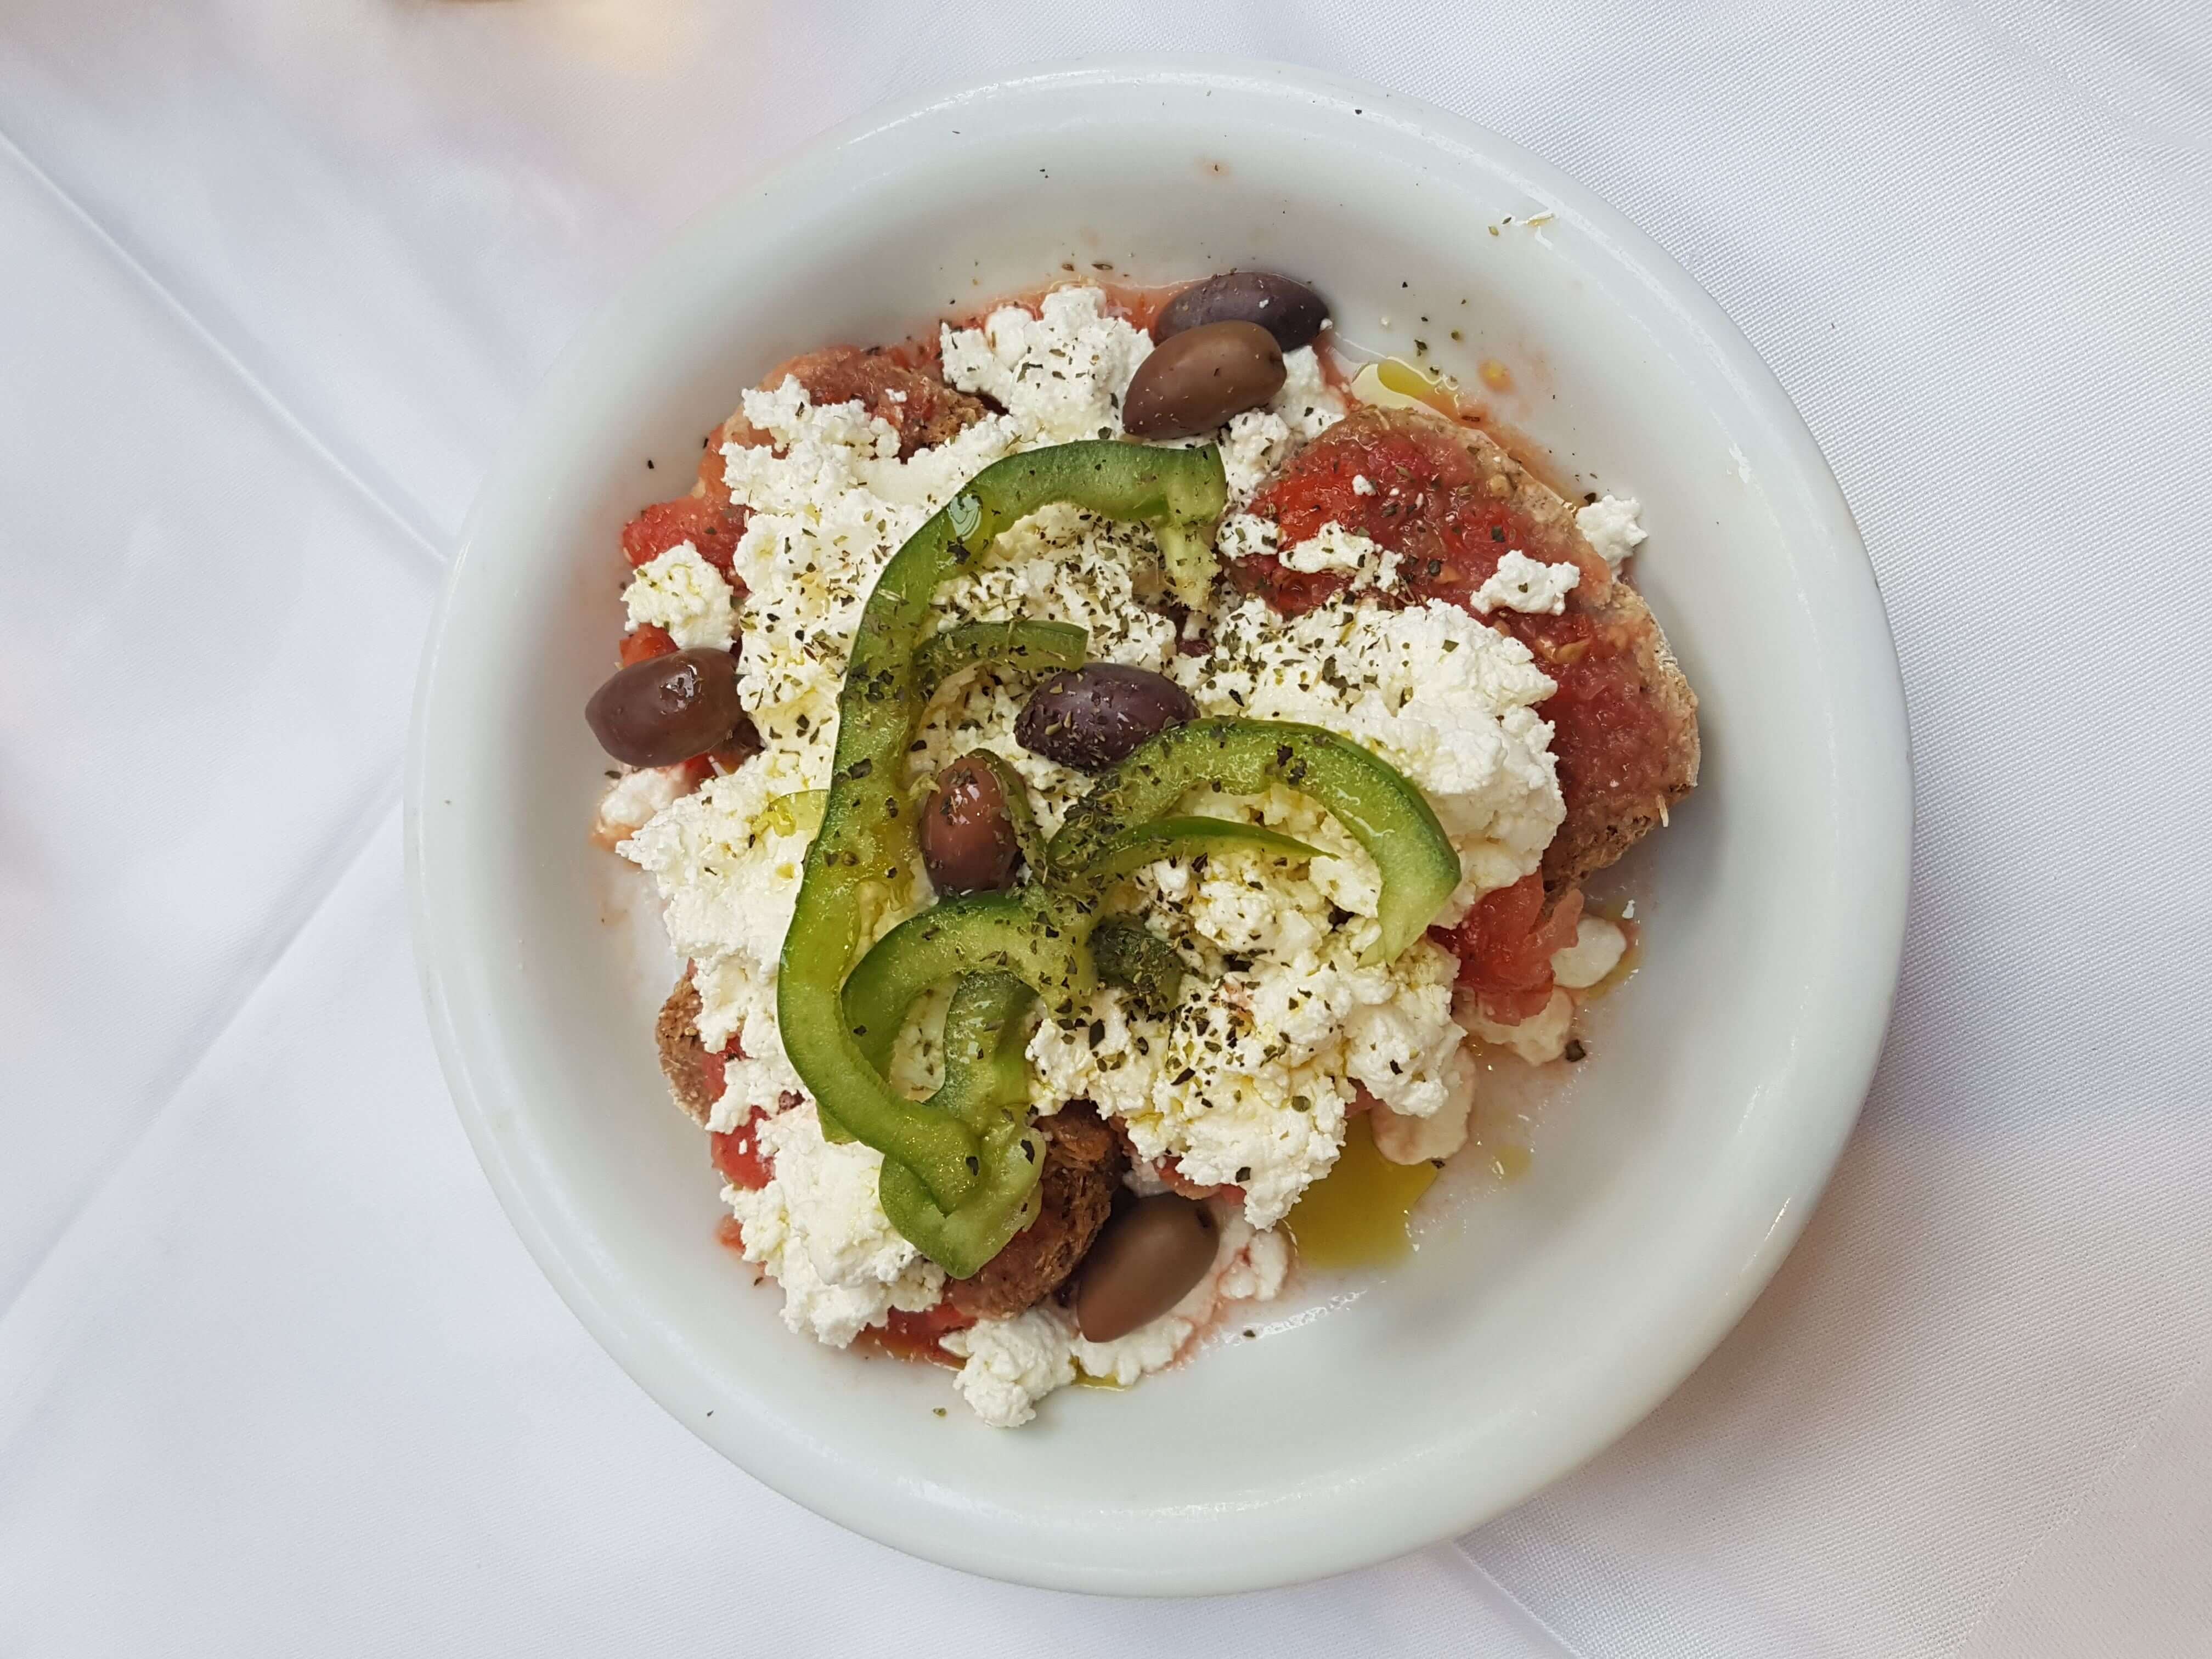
(275, 1379)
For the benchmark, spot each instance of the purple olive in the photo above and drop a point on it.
(1092, 716)
(668, 708)
(1290, 311)
(969, 842)
(1145, 1260)
(1196, 379)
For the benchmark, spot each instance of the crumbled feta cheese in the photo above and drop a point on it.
(684, 594)
(1247, 536)
(1521, 583)
(1061, 373)
(1598, 947)
(1444, 698)
(1362, 484)
(1012, 1364)
(1539, 1039)
(1420, 1139)
(1063, 564)
(1256, 442)
(632, 799)
(1610, 526)
(728, 868)
(1332, 548)
(819, 1230)
(827, 514)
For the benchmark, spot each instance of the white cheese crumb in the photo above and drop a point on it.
(1333, 548)
(1060, 374)
(632, 799)
(1012, 1364)
(1521, 583)
(827, 515)
(1362, 485)
(1539, 1039)
(1246, 536)
(1610, 526)
(1597, 950)
(817, 1228)
(1330, 548)
(728, 868)
(1420, 1139)
(684, 594)
(1256, 442)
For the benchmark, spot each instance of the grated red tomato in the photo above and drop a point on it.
(711, 528)
(645, 642)
(918, 1335)
(1505, 946)
(738, 1156)
(1429, 502)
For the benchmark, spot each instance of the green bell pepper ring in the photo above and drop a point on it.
(867, 826)
(1147, 968)
(1383, 812)
(1035, 935)
(986, 1086)
(1022, 643)
(1182, 838)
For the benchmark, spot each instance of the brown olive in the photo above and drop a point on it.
(1144, 1263)
(667, 708)
(1290, 311)
(1092, 716)
(1197, 378)
(969, 841)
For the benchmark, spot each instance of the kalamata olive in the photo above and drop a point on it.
(1145, 1260)
(667, 708)
(1197, 378)
(969, 843)
(1092, 716)
(1290, 311)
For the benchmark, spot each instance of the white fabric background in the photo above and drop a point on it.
(274, 1377)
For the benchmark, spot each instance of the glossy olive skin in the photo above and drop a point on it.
(1199, 378)
(667, 708)
(1145, 1260)
(968, 844)
(1290, 311)
(1091, 717)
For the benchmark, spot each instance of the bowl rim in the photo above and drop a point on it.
(647, 1354)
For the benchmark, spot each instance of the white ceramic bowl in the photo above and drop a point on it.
(1537, 1321)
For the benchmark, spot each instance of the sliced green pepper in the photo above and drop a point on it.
(1022, 643)
(986, 1086)
(1146, 966)
(1033, 934)
(867, 833)
(1383, 812)
(1183, 838)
